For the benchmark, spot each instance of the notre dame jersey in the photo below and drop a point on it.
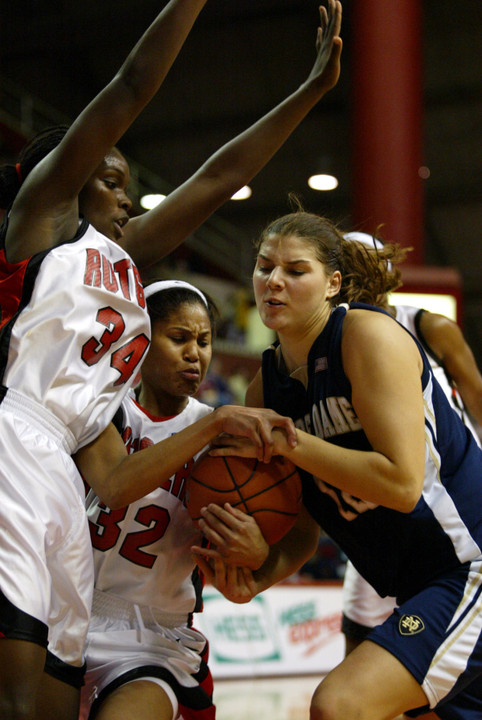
(396, 552)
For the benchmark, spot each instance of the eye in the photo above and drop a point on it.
(111, 184)
(296, 272)
(264, 269)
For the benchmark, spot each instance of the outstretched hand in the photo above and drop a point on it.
(234, 537)
(326, 69)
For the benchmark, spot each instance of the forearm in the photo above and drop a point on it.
(367, 475)
(152, 57)
(289, 554)
(119, 479)
(237, 162)
(232, 166)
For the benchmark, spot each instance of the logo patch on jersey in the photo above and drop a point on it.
(321, 364)
(410, 625)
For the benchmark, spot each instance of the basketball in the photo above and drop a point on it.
(270, 492)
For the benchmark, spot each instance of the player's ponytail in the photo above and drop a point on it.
(370, 273)
(13, 175)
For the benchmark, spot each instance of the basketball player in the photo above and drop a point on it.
(390, 472)
(144, 659)
(363, 608)
(74, 331)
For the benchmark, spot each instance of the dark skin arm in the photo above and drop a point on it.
(45, 212)
(118, 478)
(157, 232)
(46, 209)
(446, 340)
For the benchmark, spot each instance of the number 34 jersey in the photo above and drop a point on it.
(142, 551)
(73, 329)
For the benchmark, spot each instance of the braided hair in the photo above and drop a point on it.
(12, 176)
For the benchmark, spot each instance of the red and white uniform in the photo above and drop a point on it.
(146, 583)
(73, 332)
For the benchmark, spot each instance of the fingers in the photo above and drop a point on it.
(330, 20)
(291, 434)
(204, 566)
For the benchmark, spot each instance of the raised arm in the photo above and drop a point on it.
(45, 211)
(158, 231)
(446, 340)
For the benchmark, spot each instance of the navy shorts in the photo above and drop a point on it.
(437, 636)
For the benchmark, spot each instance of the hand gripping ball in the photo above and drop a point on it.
(270, 492)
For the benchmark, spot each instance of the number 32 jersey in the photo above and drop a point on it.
(73, 329)
(142, 551)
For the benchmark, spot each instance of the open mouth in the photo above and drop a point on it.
(120, 223)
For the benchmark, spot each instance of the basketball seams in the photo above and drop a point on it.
(273, 498)
(237, 487)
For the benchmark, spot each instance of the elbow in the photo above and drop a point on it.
(409, 496)
(112, 498)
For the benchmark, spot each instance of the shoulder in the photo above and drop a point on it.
(372, 334)
(363, 322)
(433, 324)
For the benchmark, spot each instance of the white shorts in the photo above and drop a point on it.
(128, 642)
(46, 566)
(361, 603)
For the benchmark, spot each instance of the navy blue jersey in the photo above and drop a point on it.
(398, 553)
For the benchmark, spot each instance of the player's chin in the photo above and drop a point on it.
(189, 386)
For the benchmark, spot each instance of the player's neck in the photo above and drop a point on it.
(161, 404)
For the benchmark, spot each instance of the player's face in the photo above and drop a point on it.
(180, 352)
(103, 199)
(291, 286)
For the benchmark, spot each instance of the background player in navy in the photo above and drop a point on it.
(74, 331)
(389, 471)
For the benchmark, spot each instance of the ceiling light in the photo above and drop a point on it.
(150, 201)
(242, 194)
(323, 182)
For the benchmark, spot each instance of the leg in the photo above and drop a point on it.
(57, 699)
(370, 684)
(140, 699)
(22, 664)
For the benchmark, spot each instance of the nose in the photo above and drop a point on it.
(275, 278)
(124, 201)
(191, 351)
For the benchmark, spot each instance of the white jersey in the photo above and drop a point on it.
(407, 315)
(142, 552)
(74, 330)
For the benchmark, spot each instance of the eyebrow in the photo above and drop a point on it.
(289, 262)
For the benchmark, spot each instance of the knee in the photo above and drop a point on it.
(328, 703)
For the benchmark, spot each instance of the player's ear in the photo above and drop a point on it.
(334, 284)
